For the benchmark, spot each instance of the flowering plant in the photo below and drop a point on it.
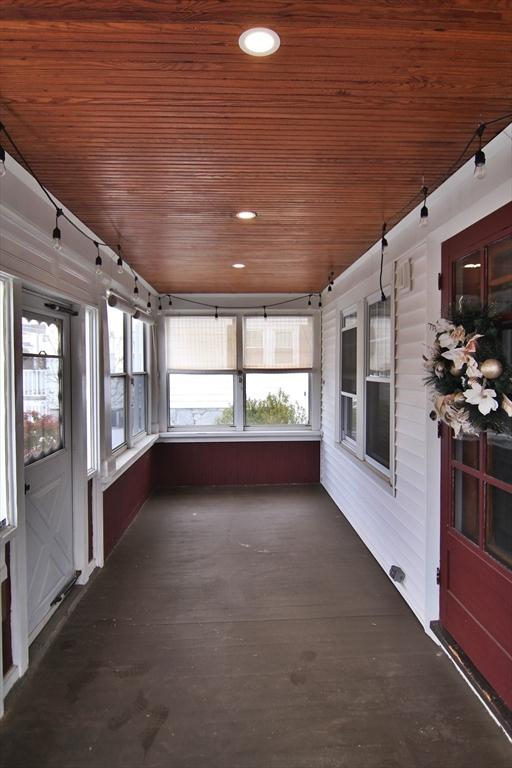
(468, 373)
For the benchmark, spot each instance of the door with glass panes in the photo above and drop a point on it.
(47, 457)
(476, 524)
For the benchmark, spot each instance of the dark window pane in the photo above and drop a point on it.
(348, 360)
(377, 422)
(117, 410)
(349, 417)
(466, 450)
(467, 276)
(500, 275)
(276, 398)
(139, 404)
(499, 456)
(200, 399)
(499, 524)
(466, 504)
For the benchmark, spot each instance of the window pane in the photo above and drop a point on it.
(350, 319)
(200, 399)
(41, 336)
(349, 360)
(201, 343)
(138, 363)
(278, 342)
(379, 351)
(500, 275)
(466, 449)
(467, 276)
(377, 422)
(465, 504)
(90, 385)
(116, 339)
(499, 456)
(117, 408)
(3, 407)
(42, 406)
(349, 417)
(139, 404)
(499, 524)
(276, 398)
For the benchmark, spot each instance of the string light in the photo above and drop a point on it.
(148, 305)
(119, 261)
(309, 300)
(57, 242)
(135, 287)
(2, 161)
(170, 301)
(480, 170)
(383, 240)
(216, 313)
(319, 300)
(99, 262)
(424, 209)
(159, 310)
(265, 313)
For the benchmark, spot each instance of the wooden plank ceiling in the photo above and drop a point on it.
(149, 123)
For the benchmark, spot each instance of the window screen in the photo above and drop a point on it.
(278, 342)
(201, 343)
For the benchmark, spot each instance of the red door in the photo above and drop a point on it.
(476, 510)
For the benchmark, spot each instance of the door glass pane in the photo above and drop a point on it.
(117, 408)
(500, 275)
(377, 422)
(466, 450)
(465, 504)
(379, 347)
(42, 387)
(499, 456)
(276, 398)
(139, 404)
(116, 339)
(348, 360)
(466, 278)
(137, 346)
(200, 399)
(499, 524)
(349, 417)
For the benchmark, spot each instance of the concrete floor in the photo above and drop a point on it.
(245, 628)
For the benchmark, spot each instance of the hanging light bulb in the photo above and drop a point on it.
(2, 161)
(480, 169)
(57, 243)
(135, 287)
(119, 261)
(309, 300)
(170, 301)
(99, 262)
(319, 300)
(424, 209)
(384, 242)
(159, 310)
(265, 312)
(148, 305)
(216, 313)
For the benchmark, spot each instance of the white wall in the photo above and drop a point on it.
(402, 526)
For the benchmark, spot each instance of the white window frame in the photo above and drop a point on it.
(92, 388)
(344, 438)
(239, 382)
(8, 475)
(370, 300)
(134, 438)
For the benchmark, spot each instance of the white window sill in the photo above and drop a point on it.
(249, 436)
(127, 458)
(371, 472)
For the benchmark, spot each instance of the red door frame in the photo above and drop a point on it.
(476, 590)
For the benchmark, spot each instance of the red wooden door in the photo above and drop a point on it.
(476, 510)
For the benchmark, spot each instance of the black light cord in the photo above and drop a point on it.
(396, 217)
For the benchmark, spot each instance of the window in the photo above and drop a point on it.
(128, 364)
(7, 465)
(239, 372)
(139, 378)
(364, 391)
(91, 385)
(117, 352)
(348, 403)
(378, 371)
(42, 386)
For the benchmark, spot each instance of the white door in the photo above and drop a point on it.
(47, 450)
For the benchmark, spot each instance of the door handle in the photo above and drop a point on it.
(27, 488)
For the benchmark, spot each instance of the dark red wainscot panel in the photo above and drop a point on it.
(269, 463)
(123, 499)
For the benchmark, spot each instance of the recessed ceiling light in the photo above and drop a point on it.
(246, 215)
(238, 266)
(259, 41)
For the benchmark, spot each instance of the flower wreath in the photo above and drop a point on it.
(469, 374)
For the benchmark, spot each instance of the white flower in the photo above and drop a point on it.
(485, 399)
(472, 370)
(444, 325)
(457, 356)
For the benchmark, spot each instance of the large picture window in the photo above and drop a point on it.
(348, 401)
(139, 378)
(378, 372)
(239, 372)
(117, 353)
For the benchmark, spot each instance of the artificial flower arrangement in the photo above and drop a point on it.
(469, 375)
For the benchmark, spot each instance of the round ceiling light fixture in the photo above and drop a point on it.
(238, 266)
(246, 215)
(259, 41)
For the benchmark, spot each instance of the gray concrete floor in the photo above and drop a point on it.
(245, 628)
